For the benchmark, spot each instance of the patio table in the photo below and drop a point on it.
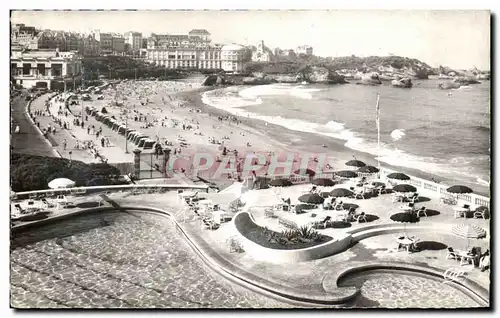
(460, 212)
(405, 242)
(466, 258)
(406, 209)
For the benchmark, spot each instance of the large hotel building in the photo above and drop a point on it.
(194, 51)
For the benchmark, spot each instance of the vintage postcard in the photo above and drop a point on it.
(250, 159)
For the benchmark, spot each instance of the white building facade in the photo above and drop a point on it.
(232, 58)
(44, 67)
(133, 40)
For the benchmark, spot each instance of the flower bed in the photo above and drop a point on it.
(286, 240)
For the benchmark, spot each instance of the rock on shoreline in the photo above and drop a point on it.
(402, 83)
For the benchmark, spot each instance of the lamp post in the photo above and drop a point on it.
(126, 133)
(151, 166)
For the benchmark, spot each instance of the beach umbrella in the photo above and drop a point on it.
(346, 174)
(405, 218)
(61, 183)
(280, 183)
(309, 172)
(368, 169)
(459, 189)
(355, 163)
(323, 182)
(398, 176)
(311, 198)
(341, 192)
(468, 231)
(404, 188)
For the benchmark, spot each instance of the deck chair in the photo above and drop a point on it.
(448, 200)
(269, 213)
(361, 216)
(322, 224)
(413, 199)
(360, 195)
(351, 215)
(19, 209)
(47, 203)
(422, 210)
(480, 212)
(451, 254)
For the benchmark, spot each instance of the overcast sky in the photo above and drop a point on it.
(459, 39)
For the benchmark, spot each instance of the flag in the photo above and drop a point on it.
(377, 108)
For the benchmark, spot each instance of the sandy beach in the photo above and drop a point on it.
(161, 109)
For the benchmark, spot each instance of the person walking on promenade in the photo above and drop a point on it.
(102, 142)
(88, 129)
(65, 144)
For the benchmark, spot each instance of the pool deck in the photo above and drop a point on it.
(309, 277)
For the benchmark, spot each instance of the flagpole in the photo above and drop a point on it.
(378, 132)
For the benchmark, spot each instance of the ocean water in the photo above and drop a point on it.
(441, 132)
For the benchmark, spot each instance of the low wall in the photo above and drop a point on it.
(440, 189)
(128, 187)
(244, 221)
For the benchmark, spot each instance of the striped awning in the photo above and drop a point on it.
(469, 231)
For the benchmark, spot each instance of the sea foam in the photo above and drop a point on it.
(233, 103)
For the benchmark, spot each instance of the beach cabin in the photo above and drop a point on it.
(132, 135)
(128, 131)
(138, 139)
(149, 144)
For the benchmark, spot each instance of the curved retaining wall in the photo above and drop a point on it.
(244, 222)
(234, 274)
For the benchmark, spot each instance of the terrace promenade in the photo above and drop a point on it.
(311, 278)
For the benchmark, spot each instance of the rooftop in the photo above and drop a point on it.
(199, 31)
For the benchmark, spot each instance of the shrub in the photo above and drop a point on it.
(29, 172)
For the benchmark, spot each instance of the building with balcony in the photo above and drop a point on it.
(200, 34)
(304, 49)
(185, 58)
(232, 58)
(90, 46)
(23, 35)
(118, 44)
(44, 68)
(133, 41)
(105, 41)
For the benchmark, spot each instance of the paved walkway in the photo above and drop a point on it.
(57, 139)
(29, 140)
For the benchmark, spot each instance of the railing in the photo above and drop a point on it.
(95, 189)
(440, 189)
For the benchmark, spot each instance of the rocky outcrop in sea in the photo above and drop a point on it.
(402, 83)
(370, 79)
(448, 85)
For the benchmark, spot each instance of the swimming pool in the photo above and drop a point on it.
(380, 288)
(118, 260)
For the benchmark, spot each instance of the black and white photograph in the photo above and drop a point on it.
(248, 159)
